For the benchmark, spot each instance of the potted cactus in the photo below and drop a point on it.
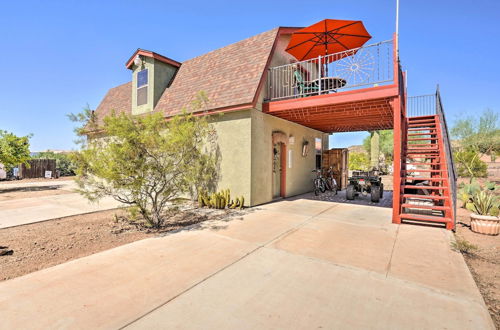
(485, 207)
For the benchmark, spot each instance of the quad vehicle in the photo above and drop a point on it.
(365, 182)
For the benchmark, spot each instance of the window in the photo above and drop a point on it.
(319, 149)
(142, 87)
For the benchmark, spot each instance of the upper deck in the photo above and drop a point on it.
(349, 91)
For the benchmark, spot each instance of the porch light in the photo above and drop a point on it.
(137, 60)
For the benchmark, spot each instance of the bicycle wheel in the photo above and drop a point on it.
(316, 187)
(322, 186)
(328, 184)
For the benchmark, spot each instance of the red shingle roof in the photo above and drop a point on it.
(118, 99)
(230, 76)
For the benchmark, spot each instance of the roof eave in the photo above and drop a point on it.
(151, 54)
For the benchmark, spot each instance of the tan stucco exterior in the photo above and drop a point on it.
(298, 168)
(160, 76)
(246, 155)
(234, 143)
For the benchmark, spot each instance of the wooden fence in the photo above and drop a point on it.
(37, 168)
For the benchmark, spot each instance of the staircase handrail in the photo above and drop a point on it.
(452, 174)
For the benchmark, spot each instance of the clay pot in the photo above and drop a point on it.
(485, 224)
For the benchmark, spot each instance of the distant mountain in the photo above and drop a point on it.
(357, 148)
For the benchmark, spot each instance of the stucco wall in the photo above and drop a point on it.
(299, 176)
(159, 77)
(234, 143)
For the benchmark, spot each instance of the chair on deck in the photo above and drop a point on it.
(306, 88)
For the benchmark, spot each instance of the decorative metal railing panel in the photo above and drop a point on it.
(368, 66)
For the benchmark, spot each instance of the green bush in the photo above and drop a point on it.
(469, 165)
(358, 161)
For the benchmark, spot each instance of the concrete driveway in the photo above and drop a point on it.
(21, 211)
(294, 264)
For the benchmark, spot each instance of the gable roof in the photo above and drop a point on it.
(230, 77)
(151, 54)
(118, 99)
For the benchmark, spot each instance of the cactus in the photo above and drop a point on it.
(219, 200)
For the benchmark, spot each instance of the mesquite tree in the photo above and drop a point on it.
(146, 162)
(14, 150)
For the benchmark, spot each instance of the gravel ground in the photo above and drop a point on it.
(484, 264)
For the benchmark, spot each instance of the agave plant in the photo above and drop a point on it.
(467, 191)
(484, 203)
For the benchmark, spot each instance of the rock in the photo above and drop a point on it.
(5, 252)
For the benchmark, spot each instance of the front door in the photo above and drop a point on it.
(279, 168)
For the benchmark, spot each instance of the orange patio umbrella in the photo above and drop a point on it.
(327, 37)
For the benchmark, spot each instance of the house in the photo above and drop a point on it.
(274, 128)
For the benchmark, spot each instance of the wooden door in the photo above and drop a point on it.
(337, 158)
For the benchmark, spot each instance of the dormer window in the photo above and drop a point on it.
(142, 87)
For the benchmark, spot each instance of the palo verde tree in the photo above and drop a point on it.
(14, 150)
(147, 161)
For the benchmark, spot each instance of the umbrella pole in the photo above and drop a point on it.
(319, 75)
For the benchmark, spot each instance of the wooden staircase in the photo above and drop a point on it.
(425, 183)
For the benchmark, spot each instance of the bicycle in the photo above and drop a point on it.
(319, 183)
(331, 183)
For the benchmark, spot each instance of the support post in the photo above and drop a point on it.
(396, 196)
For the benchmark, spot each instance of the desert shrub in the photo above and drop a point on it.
(147, 162)
(14, 150)
(358, 161)
(462, 245)
(469, 165)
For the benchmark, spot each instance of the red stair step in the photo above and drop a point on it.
(422, 129)
(426, 207)
(421, 123)
(417, 156)
(419, 120)
(418, 134)
(419, 117)
(423, 179)
(423, 139)
(425, 187)
(437, 197)
(422, 170)
(421, 217)
(421, 144)
(433, 164)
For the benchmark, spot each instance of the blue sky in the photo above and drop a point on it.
(57, 56)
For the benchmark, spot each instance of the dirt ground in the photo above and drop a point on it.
(45, 244)
(483, 263)
(7, 193)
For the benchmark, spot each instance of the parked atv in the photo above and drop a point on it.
(365, 183)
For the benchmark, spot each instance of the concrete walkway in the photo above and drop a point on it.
(21, 211)
(289, 265)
